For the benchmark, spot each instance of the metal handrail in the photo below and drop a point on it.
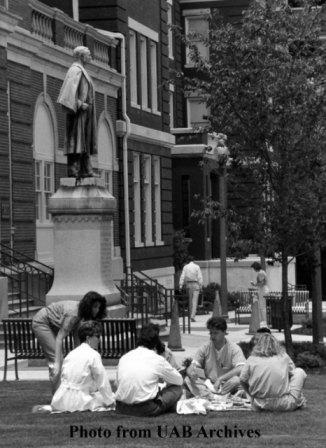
(149, 298)
(28, 280)
(26, 258)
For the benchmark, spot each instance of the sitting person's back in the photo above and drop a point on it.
(138, 376)
(271, 378)
(84, 381)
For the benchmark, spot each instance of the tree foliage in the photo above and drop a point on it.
(264, 86)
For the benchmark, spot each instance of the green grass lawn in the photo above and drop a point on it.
(19, 428)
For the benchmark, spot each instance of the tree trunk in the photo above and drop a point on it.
(317, 336)
(287, 329)
(223, 239)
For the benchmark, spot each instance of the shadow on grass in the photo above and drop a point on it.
(19, 428)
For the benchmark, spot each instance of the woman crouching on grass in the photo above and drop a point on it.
(54, 322)
(271, 379)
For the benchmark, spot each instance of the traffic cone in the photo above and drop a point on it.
(217, 309)
(175, 336)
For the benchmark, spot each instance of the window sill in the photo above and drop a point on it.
(139, 244)
(135, 105)
(146, 109)
(149, 243)
(156, 112)
(159, 243)
(44, 224)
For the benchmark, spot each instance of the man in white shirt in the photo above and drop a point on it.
(138, 376)
(192, 279)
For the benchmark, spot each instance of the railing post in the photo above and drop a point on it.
(3, 297)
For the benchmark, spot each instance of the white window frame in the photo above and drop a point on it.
(171, 105)
(142, 29)
(153, 53)
(193, 14)
(42, 192)
(106, 176)
(169, 23)
(144, 73)
(133, 68)
(189, 101)
(157, 201)
(147, 182)
(137, 201)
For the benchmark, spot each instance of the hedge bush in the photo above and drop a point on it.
(306, 354)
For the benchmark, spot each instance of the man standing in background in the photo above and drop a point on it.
(192, 279)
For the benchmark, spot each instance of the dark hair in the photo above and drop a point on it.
(160, 347)
(263, 330)
(256, 266)
(89, 328)
(216, 323)
(86, 304)
(149, 337)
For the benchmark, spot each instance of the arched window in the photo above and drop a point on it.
(44, 148)
(104, 162)
(45, 144)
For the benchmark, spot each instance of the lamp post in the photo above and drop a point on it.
(218, 154)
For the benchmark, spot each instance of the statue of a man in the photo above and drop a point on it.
(78, 99)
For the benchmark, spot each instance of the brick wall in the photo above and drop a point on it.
(4, 165)
(22, 157)
(105, 14)
(22, 10)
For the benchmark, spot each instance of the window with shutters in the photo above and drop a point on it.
(133, 68)
(137, 201)
(157, 200)
(170, 23)
(147, 185)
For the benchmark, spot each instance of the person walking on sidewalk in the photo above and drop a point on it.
(192, 279)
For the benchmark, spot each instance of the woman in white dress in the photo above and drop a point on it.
(262, 290)
(84, 382)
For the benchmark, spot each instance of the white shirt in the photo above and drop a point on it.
(84, 382)
(138, 375)
(191, 272)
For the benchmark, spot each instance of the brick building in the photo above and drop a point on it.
(36, 45)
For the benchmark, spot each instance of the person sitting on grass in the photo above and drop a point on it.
(84, 382)
(54, 322)
(221, 359)
(270, 377)
(256, 336)
(138, 376)
(164, 351)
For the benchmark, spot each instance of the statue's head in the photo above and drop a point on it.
(82, 54)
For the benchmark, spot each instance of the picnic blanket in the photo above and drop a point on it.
(206, 399)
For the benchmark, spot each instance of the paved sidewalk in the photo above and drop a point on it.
(190, 342)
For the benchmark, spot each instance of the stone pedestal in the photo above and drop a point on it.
(82, 212)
